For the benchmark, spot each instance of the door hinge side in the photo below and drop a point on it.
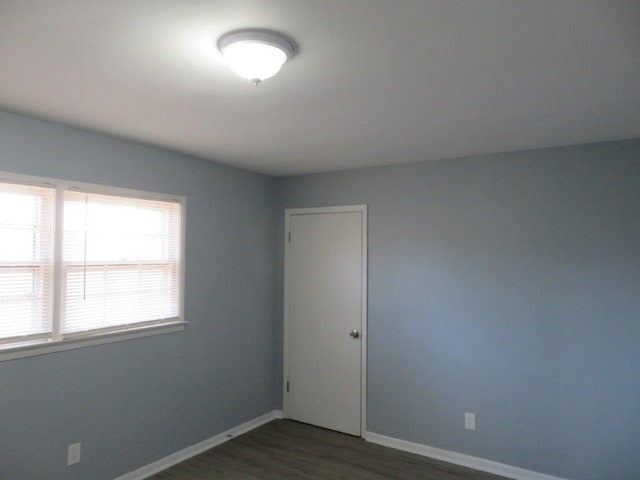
(287, 387)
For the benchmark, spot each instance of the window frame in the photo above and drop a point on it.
(55, 342)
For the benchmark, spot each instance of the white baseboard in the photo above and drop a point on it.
(182, 455)
(476, 463)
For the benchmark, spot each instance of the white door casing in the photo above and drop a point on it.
(325, 300)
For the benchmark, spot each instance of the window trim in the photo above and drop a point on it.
(53, 342)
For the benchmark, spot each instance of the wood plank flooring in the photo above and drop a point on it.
(284, 449)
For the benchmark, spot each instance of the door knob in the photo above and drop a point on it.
(355, 334)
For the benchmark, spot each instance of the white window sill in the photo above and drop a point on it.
(47, 346)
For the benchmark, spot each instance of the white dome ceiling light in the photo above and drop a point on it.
(255, 54)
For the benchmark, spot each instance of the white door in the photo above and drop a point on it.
(325, 317)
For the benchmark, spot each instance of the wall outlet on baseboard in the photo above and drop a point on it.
(470, 421)
(73, 453)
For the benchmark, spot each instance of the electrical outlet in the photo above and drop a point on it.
(73, 453)
(470, 421)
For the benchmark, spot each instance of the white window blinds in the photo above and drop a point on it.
(26, 261)
(84, 264)
(120, 263)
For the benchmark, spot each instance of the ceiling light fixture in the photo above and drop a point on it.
(255, 54)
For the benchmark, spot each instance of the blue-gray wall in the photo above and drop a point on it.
(508, 286)
(133, 402)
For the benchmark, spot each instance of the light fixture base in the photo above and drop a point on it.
(258, 35)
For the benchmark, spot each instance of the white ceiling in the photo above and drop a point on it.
(376, 82)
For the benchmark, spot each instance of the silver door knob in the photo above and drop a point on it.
(355, 334)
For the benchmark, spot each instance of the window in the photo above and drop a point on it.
(82, 264)
(26, 261)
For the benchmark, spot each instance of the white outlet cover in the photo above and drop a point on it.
(73, 453)
(470, 421)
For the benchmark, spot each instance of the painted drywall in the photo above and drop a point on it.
(507, 286)
(133, 402)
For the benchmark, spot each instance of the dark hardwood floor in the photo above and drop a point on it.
(284, 449)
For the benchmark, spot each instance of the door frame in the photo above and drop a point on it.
(288, 213)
